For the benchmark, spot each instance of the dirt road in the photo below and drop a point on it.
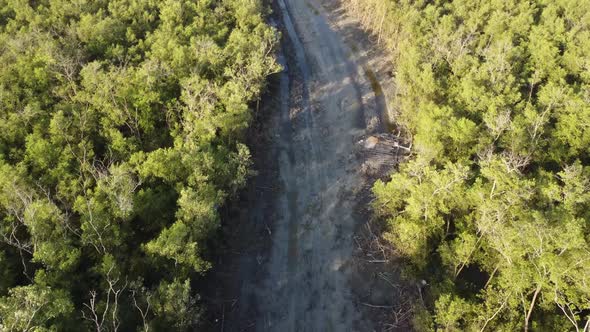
(327, 98)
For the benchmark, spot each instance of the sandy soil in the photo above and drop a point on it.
(298, 271)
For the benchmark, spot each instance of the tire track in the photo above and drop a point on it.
(323, 100)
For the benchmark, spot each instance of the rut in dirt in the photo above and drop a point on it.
(295, 272)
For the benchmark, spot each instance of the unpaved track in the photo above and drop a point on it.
(326, 105)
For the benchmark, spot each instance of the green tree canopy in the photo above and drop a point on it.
(121, 125)
(492, 207)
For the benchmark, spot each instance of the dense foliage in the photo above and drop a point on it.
(120, 130)
(493, 207)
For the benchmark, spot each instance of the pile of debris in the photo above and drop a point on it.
(381, 153)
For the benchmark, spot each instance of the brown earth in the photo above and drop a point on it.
(300, 255)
